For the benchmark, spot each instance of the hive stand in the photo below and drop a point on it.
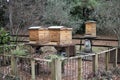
(68, 49)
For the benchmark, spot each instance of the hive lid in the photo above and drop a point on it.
(55, 27)
(59, 27)
(90, 22)
(35, 27)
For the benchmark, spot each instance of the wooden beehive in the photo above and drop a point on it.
(38, 35)
(60, 35)
(90, 28)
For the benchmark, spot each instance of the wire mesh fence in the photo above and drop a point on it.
(68, 68)
(101, 61)
(42, 70)
(87, 67)
(5, 67)
(22, 69)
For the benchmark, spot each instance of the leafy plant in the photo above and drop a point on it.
(19, 51)
(6, 48)
(4, 36)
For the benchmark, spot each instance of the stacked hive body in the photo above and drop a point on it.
(38, 35)
(60, 35)
(90, 28)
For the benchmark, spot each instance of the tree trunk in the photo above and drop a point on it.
(10, 16)
(117, 33)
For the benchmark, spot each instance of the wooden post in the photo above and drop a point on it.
(106, 61)
(80, 44)
(79, 68)
(95, 63)
(14, 66)
(4, 58)
(56, 69)
(33, 69)
(31, 50)
(116, 55)
(53, 69)
(67, 51)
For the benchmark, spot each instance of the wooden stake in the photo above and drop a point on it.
(56, 69)
(33, 69)
(14, 66)
(95, 63)
(116, 55)
(106, 61)
(53, 69)
(58, 64)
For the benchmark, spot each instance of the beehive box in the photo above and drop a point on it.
(60, 35)
(90, 28)
(38, 35)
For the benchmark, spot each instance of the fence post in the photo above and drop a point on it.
(56, 69)
(116, 55)
(14, 66)
(80, 68)
(53, 69)
(58, 64)
(106, 61)
(80, 44)
(95, 63)
(4, 58)
(33, 69)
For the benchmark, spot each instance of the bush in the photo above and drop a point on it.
(4, 36)
(19, 51)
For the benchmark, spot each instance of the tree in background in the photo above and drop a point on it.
(57, 12)
(3, 18)
(108, 17)
(81, 10)
(70, 13)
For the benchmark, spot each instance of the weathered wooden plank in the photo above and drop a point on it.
(38, 59)
(98, 45)
(81, 38)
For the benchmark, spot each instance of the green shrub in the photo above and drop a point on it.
(19, 51)
(4, 36)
